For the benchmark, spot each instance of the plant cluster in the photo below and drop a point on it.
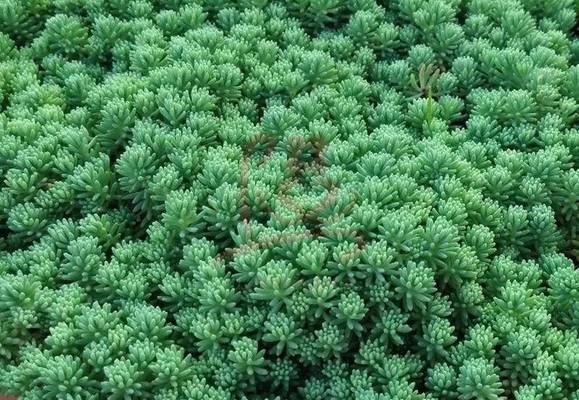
(289, 199)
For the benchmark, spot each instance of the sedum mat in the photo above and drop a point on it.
(293, 199)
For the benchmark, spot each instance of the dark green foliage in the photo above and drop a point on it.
(293, 199)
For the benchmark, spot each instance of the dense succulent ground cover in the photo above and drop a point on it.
(299, 199)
